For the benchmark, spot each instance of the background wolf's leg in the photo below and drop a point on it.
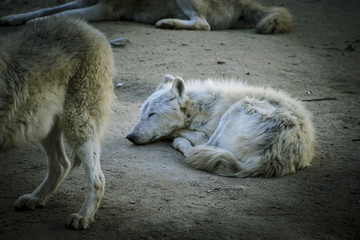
(21, 18)
(195, 22)
(97, 12)
(183, 145)
(58, 168)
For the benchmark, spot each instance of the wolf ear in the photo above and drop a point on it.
(178, 88)
(167, 79)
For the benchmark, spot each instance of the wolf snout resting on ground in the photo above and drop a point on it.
(227, 127)
(56, 82)
(174, 14)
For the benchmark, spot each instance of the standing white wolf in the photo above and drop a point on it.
(174, 14)
(228, 128)
(55, 81)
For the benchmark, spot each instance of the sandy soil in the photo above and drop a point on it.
(152, 194)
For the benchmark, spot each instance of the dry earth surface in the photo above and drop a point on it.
(152, 194)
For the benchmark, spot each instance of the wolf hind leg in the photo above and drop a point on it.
(223, 153)
(89, 154)
(58, 168)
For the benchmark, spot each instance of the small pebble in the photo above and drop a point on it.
(119, 42)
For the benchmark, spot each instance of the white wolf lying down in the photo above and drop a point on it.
(55, 80)
(228, 128)
(175, 14)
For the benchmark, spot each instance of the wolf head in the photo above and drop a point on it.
(162, 113)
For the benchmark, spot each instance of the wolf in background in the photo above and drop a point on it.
(56, 81)
(173, 14)
(228, 128)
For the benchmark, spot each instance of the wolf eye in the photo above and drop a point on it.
(151, 114)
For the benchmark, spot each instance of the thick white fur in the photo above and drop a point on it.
(56, 80)
(174, 14)
(228, 128)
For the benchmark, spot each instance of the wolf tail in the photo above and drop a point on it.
(220, 161)
(267, 19)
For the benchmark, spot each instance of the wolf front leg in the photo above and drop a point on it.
(183, 145)
(58, 168)
(195, 137)
(178, 24)
(196, 20)
(89, 154)
(187, 139)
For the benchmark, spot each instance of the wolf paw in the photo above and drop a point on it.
(198, 24)
(28, 202)
(182, 144)
(77, 222)
(179, 142)
(165, 24)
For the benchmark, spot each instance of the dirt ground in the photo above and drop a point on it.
(151, 194)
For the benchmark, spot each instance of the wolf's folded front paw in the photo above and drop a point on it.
(179, 142)
(28, 202)
(78, 222)
(182, 144)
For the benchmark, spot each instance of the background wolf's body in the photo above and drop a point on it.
(175, 14)
(55, 80)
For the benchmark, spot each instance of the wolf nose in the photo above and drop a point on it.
(131, 137)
